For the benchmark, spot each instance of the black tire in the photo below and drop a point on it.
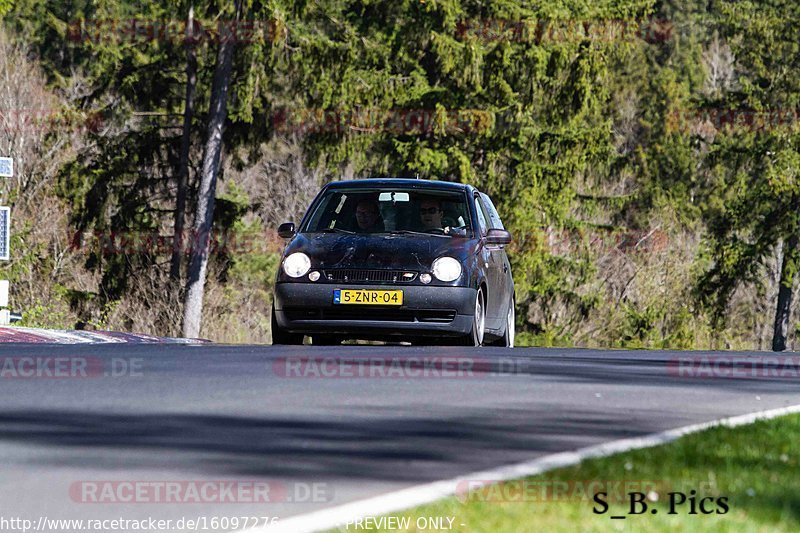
(325, 340)
(282, 337)
(507, 340)
(476, 336)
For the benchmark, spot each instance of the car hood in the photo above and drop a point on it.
(382, 251)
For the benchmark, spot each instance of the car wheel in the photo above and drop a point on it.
(281, 336)
(507, 340)
(475, 337)
(510, 333)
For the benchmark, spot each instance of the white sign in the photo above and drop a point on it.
(3, 293)
(5, 232)
(6, 167)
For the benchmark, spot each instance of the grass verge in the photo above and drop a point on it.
(754, 467)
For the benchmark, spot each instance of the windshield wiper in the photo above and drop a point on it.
(336, 230)
(411, 232)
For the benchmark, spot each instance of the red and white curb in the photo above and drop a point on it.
(422, 494)
(10, 334)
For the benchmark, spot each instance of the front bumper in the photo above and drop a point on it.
(308, 308)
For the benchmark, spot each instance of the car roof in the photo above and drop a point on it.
(400, 182)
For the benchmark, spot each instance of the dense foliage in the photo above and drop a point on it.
(644, 154)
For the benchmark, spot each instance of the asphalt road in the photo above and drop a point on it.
(90, 426)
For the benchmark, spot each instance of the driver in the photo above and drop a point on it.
(430, 213)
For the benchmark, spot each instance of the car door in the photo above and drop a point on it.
(492, 261)
(505, 279)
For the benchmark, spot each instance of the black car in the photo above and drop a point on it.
(396, 260)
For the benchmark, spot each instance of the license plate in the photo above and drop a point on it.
(367, 297)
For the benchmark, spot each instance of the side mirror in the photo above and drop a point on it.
(286, 230)
(497, 236)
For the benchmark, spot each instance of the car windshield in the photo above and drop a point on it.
(391, 210)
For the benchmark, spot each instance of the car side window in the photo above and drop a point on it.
(482, 225)
(494, 216)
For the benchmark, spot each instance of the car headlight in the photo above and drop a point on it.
(296, 265)
(446, 269)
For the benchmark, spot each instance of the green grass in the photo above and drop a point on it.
(757, 467)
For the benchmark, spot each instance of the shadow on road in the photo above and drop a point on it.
(418, 449)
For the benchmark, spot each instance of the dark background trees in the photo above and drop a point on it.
(644, 154)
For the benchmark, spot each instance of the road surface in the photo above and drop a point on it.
(192, 431)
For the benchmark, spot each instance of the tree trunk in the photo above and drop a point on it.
(791, 260)
(183, 164)
(204, 217)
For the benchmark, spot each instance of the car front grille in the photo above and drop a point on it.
(370, 276)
